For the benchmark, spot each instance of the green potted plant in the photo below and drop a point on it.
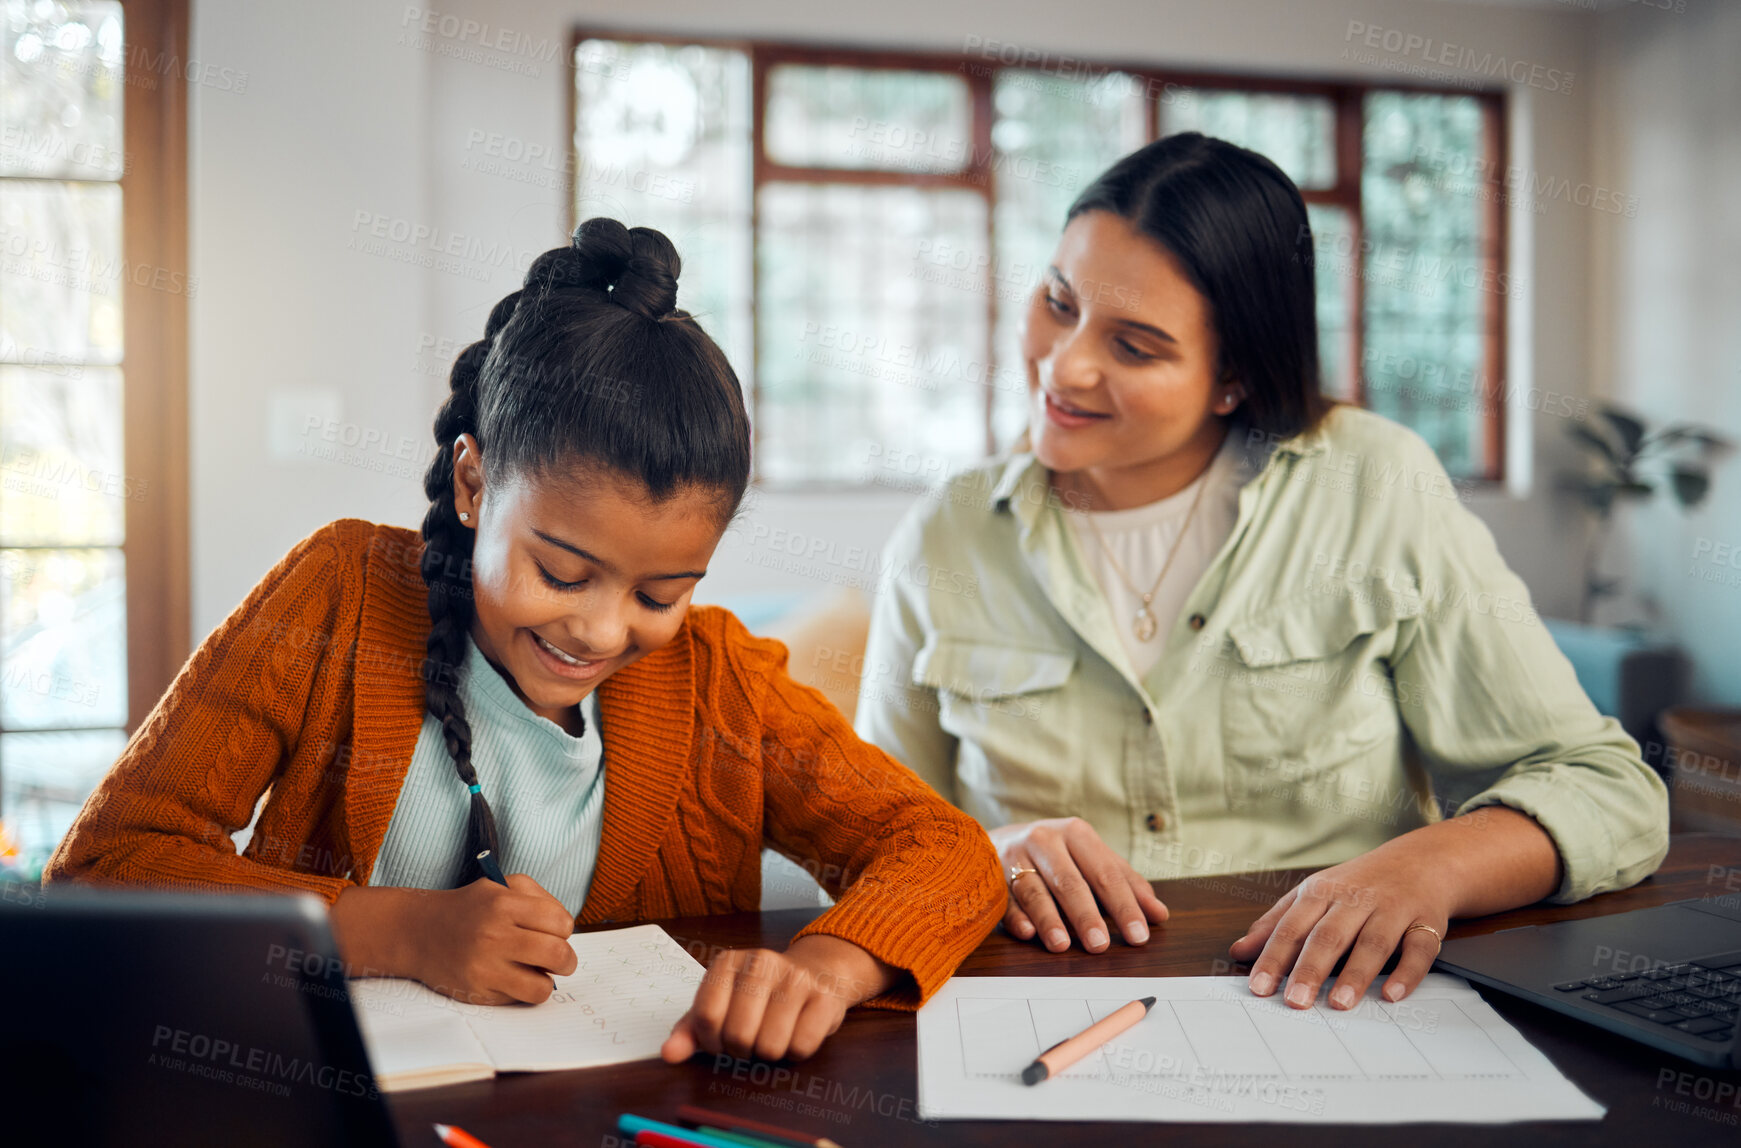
(1624, 460)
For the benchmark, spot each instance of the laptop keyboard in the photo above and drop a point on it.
(1700, 998)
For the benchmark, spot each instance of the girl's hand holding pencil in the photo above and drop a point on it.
(482, 943)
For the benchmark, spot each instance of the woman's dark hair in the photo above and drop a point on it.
(1238, 228)
(588, 366)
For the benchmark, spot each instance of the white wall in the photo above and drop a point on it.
(347, 116)
(1667, 324)
(289, 324)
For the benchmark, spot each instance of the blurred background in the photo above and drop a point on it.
(241, 244)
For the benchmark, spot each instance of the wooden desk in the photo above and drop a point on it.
(861, 1089)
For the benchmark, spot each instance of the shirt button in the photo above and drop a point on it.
(1156, 823)
(1197, 621)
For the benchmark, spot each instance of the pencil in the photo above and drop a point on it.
(491, 870)
(457, 1137)
(647, 1138)
(743, 1138)
(632, 1125)
(730, 1123)
(1067, 1052)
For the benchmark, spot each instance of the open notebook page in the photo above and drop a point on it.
(620, 1004)
(629, 988)
(415, 1040)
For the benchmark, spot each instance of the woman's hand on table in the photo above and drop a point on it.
(1362, 908)
(1077, 879)
(1482, 862)
(773, 1006)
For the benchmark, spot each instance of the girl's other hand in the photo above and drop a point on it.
(1078, 878)
(756, 1002)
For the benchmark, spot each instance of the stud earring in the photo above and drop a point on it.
(464, 517)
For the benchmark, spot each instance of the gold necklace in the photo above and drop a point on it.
(1146, 624)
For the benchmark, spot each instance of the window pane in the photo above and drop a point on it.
(63, 650)
(662, 138)
(1297, 133)
(1053, 136)
(44, 779)
(863, 118)
(61, 482)
(60, 89)
(1427, 277)
(60, 272)
(863, 341)
(1335, 263)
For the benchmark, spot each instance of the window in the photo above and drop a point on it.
(91, 292)
(862, 230)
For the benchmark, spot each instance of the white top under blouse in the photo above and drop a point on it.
(1142, 537)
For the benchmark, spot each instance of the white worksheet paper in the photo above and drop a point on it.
(1211, 1052)
(629, 989)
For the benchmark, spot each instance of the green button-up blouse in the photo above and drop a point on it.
(1356, 661)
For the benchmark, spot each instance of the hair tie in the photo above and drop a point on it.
(477, 789)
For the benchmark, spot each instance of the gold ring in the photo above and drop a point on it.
(1018, 870)
(1440, 941)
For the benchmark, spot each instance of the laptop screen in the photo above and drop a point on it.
(146, 1018)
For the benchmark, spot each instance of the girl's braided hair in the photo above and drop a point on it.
(588, 365)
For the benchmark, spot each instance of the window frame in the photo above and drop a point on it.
(1347, 98)
(154, 547)
(154, 233)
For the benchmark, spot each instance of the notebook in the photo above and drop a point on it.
(631, 986)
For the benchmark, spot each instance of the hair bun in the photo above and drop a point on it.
(638, 267)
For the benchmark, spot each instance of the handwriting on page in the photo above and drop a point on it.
(628, 990)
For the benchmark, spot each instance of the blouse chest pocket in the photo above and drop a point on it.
(1308, 694)
(1008, 707)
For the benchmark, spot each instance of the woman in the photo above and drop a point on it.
(1221, 624)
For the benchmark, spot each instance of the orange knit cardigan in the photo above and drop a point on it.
(311, 690)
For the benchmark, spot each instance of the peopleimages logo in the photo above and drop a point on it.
(1413, 46)
(228, 1062)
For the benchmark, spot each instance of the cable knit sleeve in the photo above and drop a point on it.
(196, 767)
(916, 882)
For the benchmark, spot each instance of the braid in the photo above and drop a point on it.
(446, 569)
(590, 363)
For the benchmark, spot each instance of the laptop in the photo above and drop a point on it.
(139, 1018)
(1668, 977)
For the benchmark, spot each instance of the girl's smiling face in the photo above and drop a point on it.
(575, 577)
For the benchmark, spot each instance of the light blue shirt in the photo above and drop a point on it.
(545, 788)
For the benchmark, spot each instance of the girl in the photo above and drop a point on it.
(528, 682)
(1222, 626)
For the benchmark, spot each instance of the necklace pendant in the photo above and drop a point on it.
(1145, 625)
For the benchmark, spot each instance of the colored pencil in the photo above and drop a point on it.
(684, 1137)
(648, 1139)
(457, 1137)
(745, 1126)
(740, 1138)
